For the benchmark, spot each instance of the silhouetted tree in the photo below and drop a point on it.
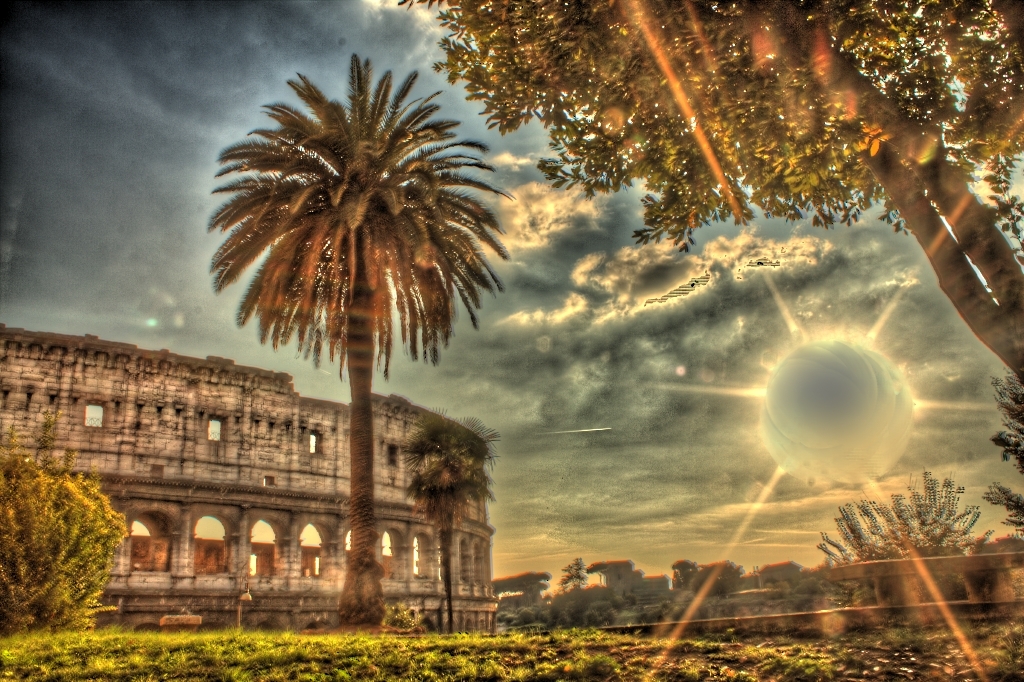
(574, 576)
(1010, 397)
(683, 572)
(930, 523)
(350, 212)
(58, 534)
(725, 574)
(799, 108)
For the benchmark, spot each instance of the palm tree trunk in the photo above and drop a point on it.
(362, 598)
(446, 572)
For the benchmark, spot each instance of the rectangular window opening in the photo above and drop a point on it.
(213, 433)
(392, 455)
(268, 482)
(156, 470)
(313, 444)
(93, 415)
(252, 564)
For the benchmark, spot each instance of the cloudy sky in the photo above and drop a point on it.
(112, 117)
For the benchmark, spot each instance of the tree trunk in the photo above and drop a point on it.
(446, 573)
(924, 192)
(362, 598)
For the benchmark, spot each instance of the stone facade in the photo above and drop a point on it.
(177, 440)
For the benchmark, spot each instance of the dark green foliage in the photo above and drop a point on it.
(58, 534)
(725, 574)
(1010, 397)
(570, 609)
(683, 572)
(929, 524)
(795, 108)
(574, 576)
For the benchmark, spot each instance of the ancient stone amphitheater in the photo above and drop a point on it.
(232, 482)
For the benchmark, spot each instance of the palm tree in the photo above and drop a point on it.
(357, 208)
(449, 461)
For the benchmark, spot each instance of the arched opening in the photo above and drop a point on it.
(348, 541)
(262, 543)
(150, 546)
(211, 552)
(309, 543)
(387, 555)
(424, 558)
(465, 562)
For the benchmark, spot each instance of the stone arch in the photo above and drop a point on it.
(311, 549)
(424, 556)
(211, 548)
(394, 565)
(263, 539)
(150, 542)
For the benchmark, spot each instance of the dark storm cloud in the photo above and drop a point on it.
(111, 119)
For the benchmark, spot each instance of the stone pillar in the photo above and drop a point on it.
(182, 556)
(241, 549)
(122, 563)
(331, 571)
(291, 554)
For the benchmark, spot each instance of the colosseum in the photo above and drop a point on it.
(233, 485)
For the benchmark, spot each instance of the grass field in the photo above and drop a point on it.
(895, 654)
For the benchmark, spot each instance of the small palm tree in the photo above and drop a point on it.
(449, 462)
(356, 209)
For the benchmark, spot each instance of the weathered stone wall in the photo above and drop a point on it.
(156, 452)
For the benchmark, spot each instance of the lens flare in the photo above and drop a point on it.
(836, 411)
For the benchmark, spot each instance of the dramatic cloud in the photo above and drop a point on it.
(538, 213)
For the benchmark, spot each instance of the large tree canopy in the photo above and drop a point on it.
(814, 108)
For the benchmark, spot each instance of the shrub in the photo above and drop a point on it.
(58, 534)
(930, 523)
(401, 617)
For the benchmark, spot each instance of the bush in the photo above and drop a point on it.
(401, 617)
(58, 534)
(930, 523)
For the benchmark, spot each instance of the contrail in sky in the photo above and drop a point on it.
(552, 433)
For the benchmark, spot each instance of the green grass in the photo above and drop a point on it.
(577, 655)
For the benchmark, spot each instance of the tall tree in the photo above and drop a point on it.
(1010, 397)
(357, 208)
(449, 462)
(798, 108)
(58, 534)
(574, 576)
(931, 523)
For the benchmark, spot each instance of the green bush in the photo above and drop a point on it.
(401, 617)
(58, 534)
